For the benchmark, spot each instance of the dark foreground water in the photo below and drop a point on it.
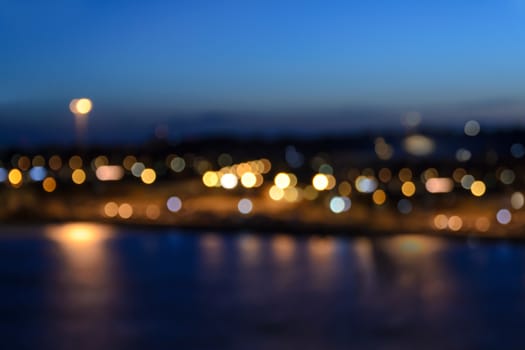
(84, 286)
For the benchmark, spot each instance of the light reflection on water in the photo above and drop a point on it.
(118, 288)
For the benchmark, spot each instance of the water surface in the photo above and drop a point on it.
(85, 286)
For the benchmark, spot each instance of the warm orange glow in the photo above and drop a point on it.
(15, 177)
(125, 211)
(148, 176)
(78, 176)
(49, 184)
(478, 188)
(408, 188)
(455, 223)
(441, 222)
(111, 209)
(379, 197)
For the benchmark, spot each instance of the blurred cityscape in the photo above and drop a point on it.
(449, 181)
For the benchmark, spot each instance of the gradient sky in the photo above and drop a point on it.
(150, 60)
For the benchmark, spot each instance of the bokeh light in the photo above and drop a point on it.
(245, 206)
(174, 204)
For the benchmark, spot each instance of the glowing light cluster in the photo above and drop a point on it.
(452, 223)
(340, 204)
(80, 106)
(366, 184)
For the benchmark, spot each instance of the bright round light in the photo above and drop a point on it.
(504, 216)
(478, 188)
(248, 179)
(81, 106)
(337, 205)
(148, 176)
(282, 180)
(210, 179)
(320, 182)
(245, 206)
(174, 204)
(78, 176)
(229, 181)
(15, 177)
(408, 188)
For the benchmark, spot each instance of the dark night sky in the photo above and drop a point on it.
(257, 65)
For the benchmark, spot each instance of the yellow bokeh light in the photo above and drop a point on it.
(248, 179)
(81, 106)
(408, 188)
(78, 176)
(276, 193)
(478, 188)
(49, 184)
(291, 194)
(379, 197)
(320, 182)
(210, 179)
(282, 180)
(15, 177)
(148, 176)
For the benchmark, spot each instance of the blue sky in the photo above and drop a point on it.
(158, 58)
